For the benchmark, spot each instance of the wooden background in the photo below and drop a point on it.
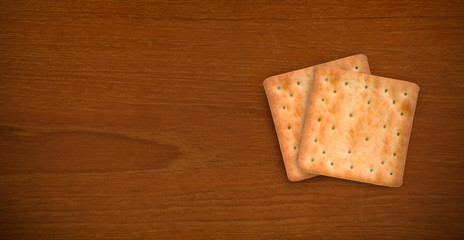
(141, 119)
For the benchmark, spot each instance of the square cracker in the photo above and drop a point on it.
(358, 127)
(287, 95)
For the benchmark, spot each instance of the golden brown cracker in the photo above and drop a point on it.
(287, 95)
(358, 126)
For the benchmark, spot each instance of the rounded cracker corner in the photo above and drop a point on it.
(268, 81)
(301, 166)
(265, 82)
(293, 177)
(363, 56)
(398, 184)
(416, 86)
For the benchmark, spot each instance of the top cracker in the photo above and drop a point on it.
(358, 127)
(287, 95)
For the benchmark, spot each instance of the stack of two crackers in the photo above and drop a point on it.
(335, 119)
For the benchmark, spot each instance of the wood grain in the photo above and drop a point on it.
(148, 119)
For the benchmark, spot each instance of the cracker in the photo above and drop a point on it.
(358, 127)
(287, 95)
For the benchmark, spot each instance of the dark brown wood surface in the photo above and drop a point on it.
(143, 120)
